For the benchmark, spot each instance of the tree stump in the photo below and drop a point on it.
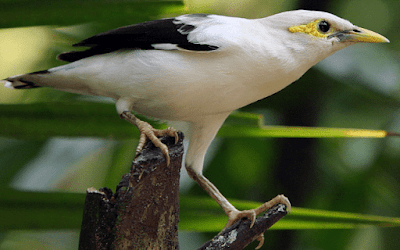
(143, 213)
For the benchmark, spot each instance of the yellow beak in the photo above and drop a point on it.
(360, 35)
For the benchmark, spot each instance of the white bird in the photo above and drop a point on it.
(194, 70)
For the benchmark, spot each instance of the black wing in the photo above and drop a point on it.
(139, 36)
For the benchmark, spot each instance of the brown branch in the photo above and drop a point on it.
(239, 235)
(144, 211)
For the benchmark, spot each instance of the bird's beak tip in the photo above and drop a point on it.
(362, 35)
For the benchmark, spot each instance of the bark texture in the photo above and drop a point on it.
(143, 213)
(239, 235)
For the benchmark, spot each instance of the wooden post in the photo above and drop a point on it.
(143, 213)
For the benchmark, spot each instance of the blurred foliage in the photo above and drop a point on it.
(355, 88)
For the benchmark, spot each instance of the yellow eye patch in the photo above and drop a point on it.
(310, 29)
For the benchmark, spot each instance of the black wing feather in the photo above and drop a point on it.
(138, 36)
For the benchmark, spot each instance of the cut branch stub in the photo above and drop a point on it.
(148, 206)
(239, 235)
(144, 211)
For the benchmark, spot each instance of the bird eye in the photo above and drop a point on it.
(324, 26)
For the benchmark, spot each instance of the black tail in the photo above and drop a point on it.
(22, 82)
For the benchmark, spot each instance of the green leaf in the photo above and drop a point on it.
(204, 214)
(74, 119)
(304, 218)
(299, 132)
(68, 119)
(38, 210)
(241, 124)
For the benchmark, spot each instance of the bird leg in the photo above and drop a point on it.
(148, 132)
(233, 214)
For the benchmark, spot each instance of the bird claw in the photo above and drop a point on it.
(260, 239)
(235, 215)
(148, 132)
(277, 199)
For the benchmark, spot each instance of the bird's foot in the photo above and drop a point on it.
(147, 132)
(235, 215)
(279, 199)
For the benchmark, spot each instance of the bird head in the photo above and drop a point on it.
(314, 35)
